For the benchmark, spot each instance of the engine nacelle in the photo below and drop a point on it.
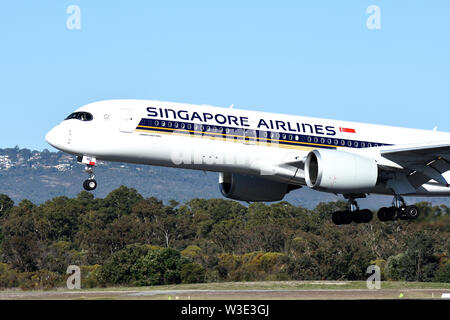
(340, 172)
(252, 188)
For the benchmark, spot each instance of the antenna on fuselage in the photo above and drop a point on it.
(435, 129)
(231, 107)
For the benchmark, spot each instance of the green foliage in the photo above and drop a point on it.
(40, 280)
(21, 238)
(422, 261)
(303, 267)
(125, 239)
(61, 218)
(119, 268)
(443, 273)
(380, 263)
(192, 251)
(90, 276)
(192, 273)
(251, 266)
(121, 201)
(417, 263)
(6, 204)
(396, 267)
(8, 277)
(160, 266)
(59, 255)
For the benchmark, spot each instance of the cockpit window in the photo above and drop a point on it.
(83, 116)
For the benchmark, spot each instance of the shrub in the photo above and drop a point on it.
(192, 273)
(118, 267)
(60, 254)
(8, 276)
(251, 266)
(380, 263)
(303, 268)
(192, 252)
(90, 276)
(396, 267)
(38, 280)
(160, 266)
(443, 273)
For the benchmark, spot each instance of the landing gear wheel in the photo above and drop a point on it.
(356, 216)
(346, 217)
(366, 215)
(392, 214)
(90, 185)
(402, 213)
(336, 217)
(383, 214)
(412, 212)
(352, 214)
(341, 217)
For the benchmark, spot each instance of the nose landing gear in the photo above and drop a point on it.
(90, 184)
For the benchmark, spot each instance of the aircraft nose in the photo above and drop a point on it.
(53, 137)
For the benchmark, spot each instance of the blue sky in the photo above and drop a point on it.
(313, 58)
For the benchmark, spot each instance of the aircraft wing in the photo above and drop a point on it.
(425, 162)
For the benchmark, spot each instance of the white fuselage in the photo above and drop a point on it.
(224, 140)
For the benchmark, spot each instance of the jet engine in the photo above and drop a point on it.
(340, 172)
(252, 188)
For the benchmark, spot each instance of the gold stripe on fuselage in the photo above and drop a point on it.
(254, 141)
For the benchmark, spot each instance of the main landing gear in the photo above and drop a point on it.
(399, 210)
(352, 214)
(90, 184)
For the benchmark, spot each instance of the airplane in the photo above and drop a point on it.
(263, 156)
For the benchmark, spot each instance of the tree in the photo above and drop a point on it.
(396, 267)
(8, 276)
(227, 235)
(192, 273)
(159, 266)
(101, 243)
(59, 255)
(61, 218)
(418, 263)
(443, 273)
(119, 267)
(22, 248)
(222, 240)
(6, 205)
(146, 209)
(421, 261)
(269, 237)
(166, 228)
(120, 202)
